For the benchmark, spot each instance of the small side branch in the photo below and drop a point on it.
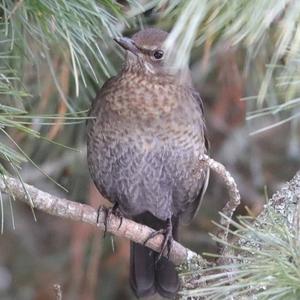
(234, 195)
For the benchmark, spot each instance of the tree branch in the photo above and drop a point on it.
(84, 213)
(129, 229)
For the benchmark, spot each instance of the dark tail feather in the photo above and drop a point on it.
(142, 276)
(142, 263)
(146, 275)
(166, 277)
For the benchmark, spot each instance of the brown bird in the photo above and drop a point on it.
(143, 149)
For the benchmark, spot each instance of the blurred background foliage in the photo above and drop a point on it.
(54, 56)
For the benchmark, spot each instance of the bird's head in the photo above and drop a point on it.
(145, 51)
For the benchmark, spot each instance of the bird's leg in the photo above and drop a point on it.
(117, 212)
(98, 214)
(108, 211)
(167, 241)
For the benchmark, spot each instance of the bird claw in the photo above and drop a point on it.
(108, 212)
(167, 241)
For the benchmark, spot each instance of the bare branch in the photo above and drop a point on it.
(84, 213)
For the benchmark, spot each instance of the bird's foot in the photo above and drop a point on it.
(108, 212)
(167, 241)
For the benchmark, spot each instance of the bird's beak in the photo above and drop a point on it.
(127, 44)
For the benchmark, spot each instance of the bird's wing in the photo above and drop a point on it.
(200, 102)
(195, 205)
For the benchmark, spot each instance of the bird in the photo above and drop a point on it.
(145, 136)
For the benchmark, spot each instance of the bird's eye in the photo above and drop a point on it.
(158, 54)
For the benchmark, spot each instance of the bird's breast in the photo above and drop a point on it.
(150, 111)
(143, 99)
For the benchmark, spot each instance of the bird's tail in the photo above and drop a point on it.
(148, 276)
